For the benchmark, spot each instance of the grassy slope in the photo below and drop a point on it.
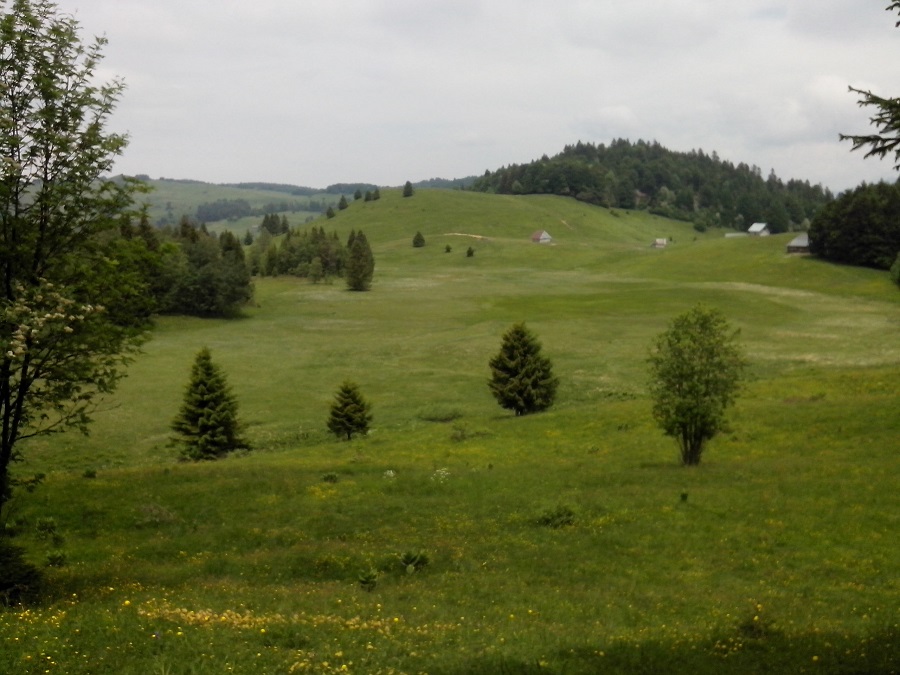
(251, 562)
(185, 197)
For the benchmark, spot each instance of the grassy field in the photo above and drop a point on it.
(777, 554)
(173, 199)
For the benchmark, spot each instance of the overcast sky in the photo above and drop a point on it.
(314, 92)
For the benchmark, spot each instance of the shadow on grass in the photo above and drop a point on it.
(877, 653)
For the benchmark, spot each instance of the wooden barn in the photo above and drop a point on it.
(799, 244)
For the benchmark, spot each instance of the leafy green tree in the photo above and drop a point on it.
(315, 270)
(207, 425)
(408, 189)
(357, 195)
(360, 264)
(696, 367)
(886, 120)
(470, 252)
(376, 194)
(522, 378)
(70, 315)
(418, 240)
(895, 270)
(350, 412)
(861, 227)
(213, 277)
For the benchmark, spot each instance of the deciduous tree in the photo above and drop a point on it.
(695, 373)
(522, 378)
(67, 324)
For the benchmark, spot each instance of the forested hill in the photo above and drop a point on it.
(691, 186)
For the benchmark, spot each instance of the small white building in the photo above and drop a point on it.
(759, 230)
(660, 243)
(541, 237)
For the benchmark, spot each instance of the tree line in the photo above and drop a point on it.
(691, 186)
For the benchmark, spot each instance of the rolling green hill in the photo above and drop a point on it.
(777, 554)
(168, 200)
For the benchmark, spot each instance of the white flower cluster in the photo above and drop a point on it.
(441, 475)
(40, 314)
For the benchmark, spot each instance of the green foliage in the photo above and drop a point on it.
(207, 425)
(641, 175)
(273, 224)
(350, 412)
(470, 252)
(342, 203)
(556, 518)
(695, 374)
(861, 227)
(413, 561)
(297, 252)
(209, 275)
(360, 264)
(522, 378)
(70, 315)
(895, 270)
(408, 189)
(418, 240)
(886, 120)
(368, 579)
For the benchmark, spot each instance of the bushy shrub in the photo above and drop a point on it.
(19, 579)
(561, 516)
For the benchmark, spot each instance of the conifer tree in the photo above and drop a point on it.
(343, 204)
(408, 189)
(207, 426)
(360, 264)
(349, 412)
(522, 378)
(418, 240)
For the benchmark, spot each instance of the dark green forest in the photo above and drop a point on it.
(691, 186)
(861, 227)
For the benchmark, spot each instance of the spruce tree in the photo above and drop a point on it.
(349, 413)
(418, 240)
(207, 426)
(360, 264)
(521, 377)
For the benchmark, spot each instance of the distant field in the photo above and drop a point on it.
(172, 199)
(777, 554)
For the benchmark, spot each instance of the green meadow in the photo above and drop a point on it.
(569, 541)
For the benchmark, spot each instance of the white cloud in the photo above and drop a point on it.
(325, 91)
